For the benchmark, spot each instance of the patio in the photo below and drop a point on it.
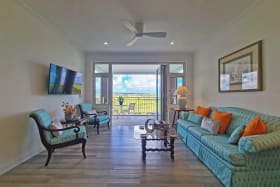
(130, 120)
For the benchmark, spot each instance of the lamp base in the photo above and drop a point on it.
(182, 102)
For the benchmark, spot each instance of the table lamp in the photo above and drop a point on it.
(182, 93)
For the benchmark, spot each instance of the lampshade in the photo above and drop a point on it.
(182, 91)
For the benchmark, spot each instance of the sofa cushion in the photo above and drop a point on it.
(204, 111)
(210, 125)
(198, 132)
(254, 127)
(235, 135)
(195, 118)
(185, 124)
(68, 135)
(184, 115)
(219, 145)
(224, 119)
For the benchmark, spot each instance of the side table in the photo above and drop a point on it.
(74, 122)
(177, 111)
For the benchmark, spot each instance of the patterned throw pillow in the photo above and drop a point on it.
(210, 125)
(195, 118)
(235, 135)
(56, 125)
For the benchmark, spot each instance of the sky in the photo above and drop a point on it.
(136, 83)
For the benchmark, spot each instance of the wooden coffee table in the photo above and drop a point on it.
(167, 137)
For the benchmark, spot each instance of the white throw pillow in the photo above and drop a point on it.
(210, 125)
(56, 125)
(91, 112)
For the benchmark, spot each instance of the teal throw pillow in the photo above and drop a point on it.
(184, 115)
(235, 135)
(195, 118)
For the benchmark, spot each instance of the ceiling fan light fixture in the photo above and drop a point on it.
(137, 31)
(172, 43)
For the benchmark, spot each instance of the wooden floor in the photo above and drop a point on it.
(113, 160)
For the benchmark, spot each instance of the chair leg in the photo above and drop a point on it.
(83, 149)
(97, 128)
(108, 125)
(49, 156)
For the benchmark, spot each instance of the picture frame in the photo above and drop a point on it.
(241, 71)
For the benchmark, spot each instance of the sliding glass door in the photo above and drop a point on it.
(161, 90)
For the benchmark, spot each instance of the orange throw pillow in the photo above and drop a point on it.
(224, 119)
(204, 111)
(254, 127)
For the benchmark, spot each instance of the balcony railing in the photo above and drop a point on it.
(144, 105)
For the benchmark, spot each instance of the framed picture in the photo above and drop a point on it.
(241, 70)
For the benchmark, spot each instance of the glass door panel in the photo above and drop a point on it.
(161, 92)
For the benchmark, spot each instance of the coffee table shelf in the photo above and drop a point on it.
(166, 136)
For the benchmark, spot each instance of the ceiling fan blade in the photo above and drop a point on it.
(129, 26)
(155, 34)
(132, 41)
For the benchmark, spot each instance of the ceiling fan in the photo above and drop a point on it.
(137, 30)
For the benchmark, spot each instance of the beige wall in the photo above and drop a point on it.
(26, 48)
(260, 22)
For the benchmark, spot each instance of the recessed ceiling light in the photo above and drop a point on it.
(106, 43)
(172, 43)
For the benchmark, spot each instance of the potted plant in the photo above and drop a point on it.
(69, 110)
(121, 100)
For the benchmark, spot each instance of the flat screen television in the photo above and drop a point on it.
(64, 81)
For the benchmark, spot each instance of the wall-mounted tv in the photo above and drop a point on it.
(64, 81)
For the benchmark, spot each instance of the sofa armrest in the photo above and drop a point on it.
(258, 143)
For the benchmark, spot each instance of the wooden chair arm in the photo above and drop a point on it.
(76, 129)
(89, 115)
(104, 112)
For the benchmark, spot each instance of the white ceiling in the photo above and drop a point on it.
(87, 24)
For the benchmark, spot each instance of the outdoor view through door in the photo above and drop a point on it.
(137, 92)
(134, 94)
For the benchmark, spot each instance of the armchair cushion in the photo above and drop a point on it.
(86, 107)
(69, 135)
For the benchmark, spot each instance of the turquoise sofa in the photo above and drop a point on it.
(254, 161)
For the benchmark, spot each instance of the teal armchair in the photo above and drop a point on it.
(70, 135)
(96, 118)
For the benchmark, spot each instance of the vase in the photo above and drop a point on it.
(121, 102)
(68, 117)
(182, 102)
